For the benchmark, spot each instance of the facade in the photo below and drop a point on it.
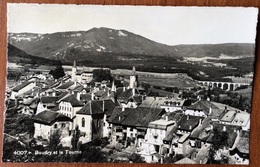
(21, 89)
(47, 122)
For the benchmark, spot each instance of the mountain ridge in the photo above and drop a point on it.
(66, 46)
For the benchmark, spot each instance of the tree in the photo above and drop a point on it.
(136, 158)
(209, 93)
(75, 138)
(54, 141)
(240, 103)
(91, 154)
(102, 74)
(58, 72)
(219, 141)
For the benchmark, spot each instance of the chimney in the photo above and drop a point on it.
(190, 127)
(53, 93)
(133, 91)
(188, 117)
(103, 106)
(166, 118)
(224, 128)
(124, 88)
(210, 110)
(113, 88)
(92, 96)
(123, 108)
(78, 96)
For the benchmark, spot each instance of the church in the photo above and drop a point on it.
(82, 76)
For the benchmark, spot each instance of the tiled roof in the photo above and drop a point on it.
(188, 122)
(203, 105)
(231, 131)
(48, 117)
(97, 107)
(124, 95)
(199, 132)
(20, 86)
(85, 97)
(66, 85)
(72, 99)
(49, 99)
(137, 117)
(243, 145)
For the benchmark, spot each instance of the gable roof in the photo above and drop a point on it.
(66, 85)
(189, 122)
(49, 99)
(123, 95)
(20, 86)
(48, 117)
(231, 131)
(136, 117)
(97, 107)
(204, 105)
(73, 101)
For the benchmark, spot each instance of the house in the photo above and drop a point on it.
(21, 89)
(91, 119)
(84, 76)
(132, 123)
(47, 122)
(172, 104)
(237, 118)
(232, 131)
(66, 86)
(200, 134)
(69, 106)
(128, 98)
(188, 123)
(240, 153)
(201, 108)
(80, 76)
(156, 132)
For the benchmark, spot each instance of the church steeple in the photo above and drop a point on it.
(133, 78)
(74, 64)
(113, 88)
(133, 71)
(74, 71)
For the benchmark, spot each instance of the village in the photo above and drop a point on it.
(128, 124)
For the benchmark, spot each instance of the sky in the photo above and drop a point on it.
(168, 25)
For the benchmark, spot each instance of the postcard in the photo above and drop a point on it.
(129, 84)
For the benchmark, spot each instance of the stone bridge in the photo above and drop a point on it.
(223, 85)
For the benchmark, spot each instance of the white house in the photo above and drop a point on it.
(22, 88)
(47, 122)
(69, 106)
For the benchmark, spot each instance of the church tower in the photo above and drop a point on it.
(113, 92)
(133, 79)
(74, 71)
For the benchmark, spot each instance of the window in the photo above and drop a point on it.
(63, 125)
(55, 126)
(97, 123)
(83, 122)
